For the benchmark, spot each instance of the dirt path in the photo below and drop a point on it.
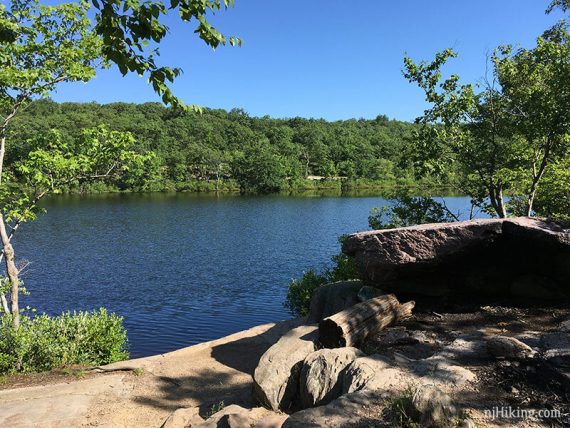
(197, 376)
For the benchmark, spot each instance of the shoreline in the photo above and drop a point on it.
(145, 391)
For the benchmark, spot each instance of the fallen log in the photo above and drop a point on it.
(351, 326)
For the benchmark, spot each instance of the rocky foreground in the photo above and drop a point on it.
(487, 343)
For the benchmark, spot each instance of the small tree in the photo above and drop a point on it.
(43, 46)
(504, 137)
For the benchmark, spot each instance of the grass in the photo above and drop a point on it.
(215, 409)
(399, 409)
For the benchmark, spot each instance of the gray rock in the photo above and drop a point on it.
(329, 299)
(565, 326)
(367, 293)
(183, 418)
(530, 338)
(234, 416)
(431, 407)
(348, 410)
(508, 348)
(321, 375)
(556, 348)
(276, 377)
(466, 348)
(442, 372)
(374, 372)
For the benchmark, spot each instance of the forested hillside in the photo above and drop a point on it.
(234, 151)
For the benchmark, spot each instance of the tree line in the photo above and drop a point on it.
(221, 150)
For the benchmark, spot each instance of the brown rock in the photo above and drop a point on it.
(379, 250)
(478, 257)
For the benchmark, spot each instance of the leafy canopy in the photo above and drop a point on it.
(46, 45)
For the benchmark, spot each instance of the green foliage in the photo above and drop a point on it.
(53, 164)
(132, 30)
(126, 33)
(301, 290)
(209, 151)
(504, 137)
(409, 211)
(46, 45)
(44, 343)
(400, 409)
(259, 168)
(554, 197)
(215, 408)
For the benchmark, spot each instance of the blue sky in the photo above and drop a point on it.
(333, 59)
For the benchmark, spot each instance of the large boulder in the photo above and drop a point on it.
(331, 298)
(276, 378)
(523, 257)
(321, 375)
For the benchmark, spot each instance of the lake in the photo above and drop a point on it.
(183, 268)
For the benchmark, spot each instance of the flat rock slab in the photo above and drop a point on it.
(197, 376)
(427, 242)
(56, 405)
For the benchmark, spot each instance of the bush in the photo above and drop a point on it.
(44, 343)
(301, 290)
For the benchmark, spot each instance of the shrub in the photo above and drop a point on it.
(301, 290)
(44, 343)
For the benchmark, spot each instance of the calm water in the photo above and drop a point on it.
(182, 268)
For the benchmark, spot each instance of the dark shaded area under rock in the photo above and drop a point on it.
(519, 257)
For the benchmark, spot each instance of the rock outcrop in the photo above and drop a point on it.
(523, 257)
(276, 378)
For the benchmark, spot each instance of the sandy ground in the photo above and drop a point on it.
(197, 376)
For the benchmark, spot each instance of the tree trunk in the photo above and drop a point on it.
(501, 202)
(12, 272)
(351, 326)
(537, 176)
